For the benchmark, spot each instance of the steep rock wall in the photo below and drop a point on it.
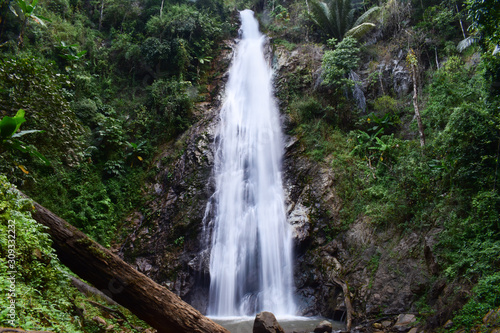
(385, 271)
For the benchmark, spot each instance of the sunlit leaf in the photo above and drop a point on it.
(23, 169)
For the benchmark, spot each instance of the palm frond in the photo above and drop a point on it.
(320, 14)
(365, 15)
(465, 43)
(359, 30)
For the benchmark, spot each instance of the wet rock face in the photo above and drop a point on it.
(385, 271)
(167, 242)
(166, 239)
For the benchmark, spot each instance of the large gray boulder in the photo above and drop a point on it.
(324, 327)
(265, 322)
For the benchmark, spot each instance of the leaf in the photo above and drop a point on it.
(16, 135)
(44, 18)
(10, 125)
(465, 43)
(23, 169)
(37, 20)
(365, 15)
(13, 10)
(23, 6)
(19, 145)
(360, 30)
(35, 152)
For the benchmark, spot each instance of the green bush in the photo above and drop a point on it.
(40, 89)
(452, 85)
(337, 64)
(42, 293)
(45, 300)
(485, 297)
(172, 103)
(304, 110)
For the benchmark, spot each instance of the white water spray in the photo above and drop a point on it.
(251, 258)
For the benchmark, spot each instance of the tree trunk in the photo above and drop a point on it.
(347, 300)
(19, 330)
(20, 38)
(415, 106)
(101, 14)
(149, 301)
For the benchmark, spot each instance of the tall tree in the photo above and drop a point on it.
(412, 60)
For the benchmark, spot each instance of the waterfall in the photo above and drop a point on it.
(251, 257)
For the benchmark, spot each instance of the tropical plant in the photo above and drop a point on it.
(26, 13)
(338, 63)
(485, 15)
(336, 18)
(39, 87)
(70, 52)
(9, 135)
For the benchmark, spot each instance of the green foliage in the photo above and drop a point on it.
(385, 104)
(337, 64)
(172, 103)
(336, 18)
(94, 205)
(385, 124)
(70, 52)
(8, 135)
(182, 36)
(41, 287)
(10, 125)
(303, 110)
(471, 239)
(40, 89)
(469, 145)
(26, 13)
(484, 15)
(440, 21)
(452, 85)
(485, 297)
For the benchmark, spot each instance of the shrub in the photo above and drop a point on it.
(41, 288)
(485, 297)
(41, 90)
(338, 63)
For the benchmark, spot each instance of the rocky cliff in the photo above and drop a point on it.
(386, 271)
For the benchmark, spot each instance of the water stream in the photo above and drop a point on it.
(251, 257)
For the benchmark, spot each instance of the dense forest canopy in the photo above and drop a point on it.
(105, 83)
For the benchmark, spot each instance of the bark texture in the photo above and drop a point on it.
(148, 300)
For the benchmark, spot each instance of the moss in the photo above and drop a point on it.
(93, 248)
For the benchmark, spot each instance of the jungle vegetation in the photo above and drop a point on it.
(105, 83)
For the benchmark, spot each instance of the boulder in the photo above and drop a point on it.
(404, 322)
(324, 327)
(265, 322)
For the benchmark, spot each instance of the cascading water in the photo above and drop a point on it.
(251, 256)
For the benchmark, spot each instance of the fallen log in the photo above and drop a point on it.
(19, 330)
(149, 301)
